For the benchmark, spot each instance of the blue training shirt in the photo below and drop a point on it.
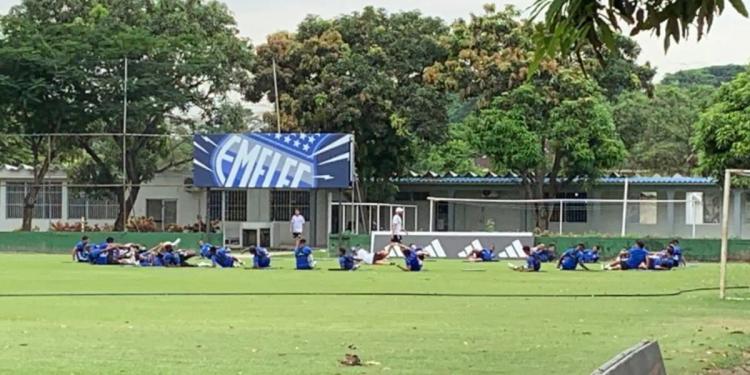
(486, 255)
(412, 262)
(222, 259)
(636, 256)
(172, 259)
(205, 250)
(346, 262)
(533, 262)
(261, 258)
(303, 254)
(570, 259)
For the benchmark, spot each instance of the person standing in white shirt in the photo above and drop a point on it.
(297, 226)
(397, 226)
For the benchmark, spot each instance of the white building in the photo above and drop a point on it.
(250, 216)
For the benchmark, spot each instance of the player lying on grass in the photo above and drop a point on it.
(304, 256)
(378, 258)
(631, 259)
(261, 257)
(80, 251)
(176, 258)
(545, 253)
(347, 261)
(662, 260)
(572, 258)
(204, 249)
(111, 253)
(222, 258)
(412, 260)
(533, 264)
(484, 255)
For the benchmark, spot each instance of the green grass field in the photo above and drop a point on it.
(308, 334)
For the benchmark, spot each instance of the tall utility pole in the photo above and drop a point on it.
(276, 93)
(124, 149)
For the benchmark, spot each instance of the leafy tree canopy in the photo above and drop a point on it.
(710, 75)
(722, 134)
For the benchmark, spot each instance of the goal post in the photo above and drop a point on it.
(728, 173)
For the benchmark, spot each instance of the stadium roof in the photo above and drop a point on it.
(452, 178)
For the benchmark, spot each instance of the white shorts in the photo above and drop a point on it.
(366, 256)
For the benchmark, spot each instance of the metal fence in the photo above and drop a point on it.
(697, 216)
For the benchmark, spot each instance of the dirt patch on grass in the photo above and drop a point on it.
(739, 370)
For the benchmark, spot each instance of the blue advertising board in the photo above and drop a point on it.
(273, 160)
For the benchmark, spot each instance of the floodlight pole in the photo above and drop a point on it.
(724, 233)
(124, 149)
(624, 208)
(276, 93)
(432, 212)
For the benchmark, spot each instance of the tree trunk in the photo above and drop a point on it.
(29, 200)
(127, 206)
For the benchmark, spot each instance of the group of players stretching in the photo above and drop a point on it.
(638, 257)
(166, 254)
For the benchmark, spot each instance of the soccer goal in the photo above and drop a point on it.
(741, 294)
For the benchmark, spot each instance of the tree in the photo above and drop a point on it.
(722, 136)
(183, 56)
(657, 130)
(709, 76)
(571, 25)
(40, 84)
(491, 54)
(360, 73)
(550, 134)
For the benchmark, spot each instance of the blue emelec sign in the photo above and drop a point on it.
(273, 160)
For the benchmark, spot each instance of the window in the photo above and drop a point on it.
(92, 205)
(284, 202)
(702, 208)
(648, 210)
(573, 212)
(163, 211)
(236, 205)
(48, 201)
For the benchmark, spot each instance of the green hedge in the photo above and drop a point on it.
(61, 242)
(704, 250)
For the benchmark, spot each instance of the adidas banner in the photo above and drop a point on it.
(456, 245)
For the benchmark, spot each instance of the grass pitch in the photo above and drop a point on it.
(304, 322)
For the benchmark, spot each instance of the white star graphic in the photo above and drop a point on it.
(277, 136)
(306, 147)
(296, 143)
(303, 136)
(287, 139)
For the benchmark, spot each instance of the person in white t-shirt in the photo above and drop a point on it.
(397, 226)
(297, 226)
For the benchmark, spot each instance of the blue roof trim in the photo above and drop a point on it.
(635, 180)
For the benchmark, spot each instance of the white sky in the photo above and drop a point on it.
(725, 44)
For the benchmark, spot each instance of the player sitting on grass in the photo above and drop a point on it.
(591, 255)
(678, 257)
(545, 253)
(222, 258)
(632, 259)
(533, 264)
(303, 255)
(484, 255)
(109, 252)
(80, 252)
(412, 261)
(261, 257)
(347, 262)
(572, 258)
